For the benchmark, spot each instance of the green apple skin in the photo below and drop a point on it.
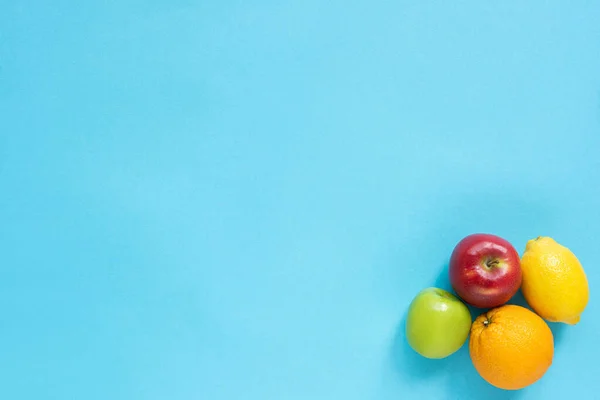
(438, 323)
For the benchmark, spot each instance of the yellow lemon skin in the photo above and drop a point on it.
(554, 282)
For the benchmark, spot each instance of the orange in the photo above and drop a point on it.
(511, 347)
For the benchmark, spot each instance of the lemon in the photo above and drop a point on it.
(554, 282)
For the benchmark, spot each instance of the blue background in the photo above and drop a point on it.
(239, 199)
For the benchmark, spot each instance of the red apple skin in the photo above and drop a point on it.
(485, 270)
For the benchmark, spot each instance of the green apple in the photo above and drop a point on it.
(437, 324)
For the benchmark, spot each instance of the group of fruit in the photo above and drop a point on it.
(511, 347)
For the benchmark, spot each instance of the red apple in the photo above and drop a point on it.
(485, 270)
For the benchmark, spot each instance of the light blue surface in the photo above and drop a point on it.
(238, 199)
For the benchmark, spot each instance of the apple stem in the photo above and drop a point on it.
(492, 263)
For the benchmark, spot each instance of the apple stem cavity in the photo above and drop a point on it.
(492, 263)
